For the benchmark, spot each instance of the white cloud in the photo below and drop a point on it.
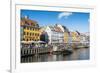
(64, 14)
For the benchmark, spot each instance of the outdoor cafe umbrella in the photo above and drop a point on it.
(25, 42)
(40, 41)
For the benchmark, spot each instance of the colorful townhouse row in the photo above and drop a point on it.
(31, 31)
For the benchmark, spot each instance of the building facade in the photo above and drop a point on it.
(55, 34)
(75, 36)
(84, 37)
(66, 33)
(30, 30)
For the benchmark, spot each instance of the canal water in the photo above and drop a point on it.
(78, 54)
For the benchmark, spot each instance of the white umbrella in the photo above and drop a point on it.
(25, 42)
(40, 41)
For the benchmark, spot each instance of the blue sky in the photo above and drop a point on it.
(72, 20)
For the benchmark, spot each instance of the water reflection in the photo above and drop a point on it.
(78, 54)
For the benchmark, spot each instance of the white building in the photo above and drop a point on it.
(84, 37)
(67, 36)
(55, 33)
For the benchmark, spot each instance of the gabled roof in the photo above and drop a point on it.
(66, 29)
(52, 28)
(27, 21)
(58, 29)
(55, 28)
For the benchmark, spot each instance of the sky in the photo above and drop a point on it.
(74, 21)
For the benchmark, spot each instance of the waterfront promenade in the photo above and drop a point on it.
(52, 49)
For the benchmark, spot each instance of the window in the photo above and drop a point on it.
(37, 34)
(27, 39)
(26, 33)
(30, 34)
(33, 34)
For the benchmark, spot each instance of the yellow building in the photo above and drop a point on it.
(75, 37)
(66, 34)
(30, 30)
(66, 37)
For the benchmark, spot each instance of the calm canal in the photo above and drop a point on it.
(78, 54)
